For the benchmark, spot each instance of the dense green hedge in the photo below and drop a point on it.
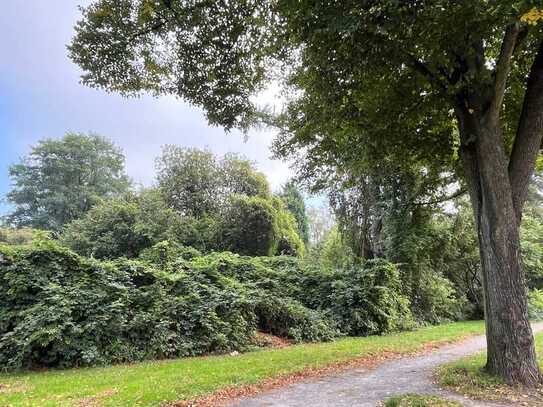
(58, 309)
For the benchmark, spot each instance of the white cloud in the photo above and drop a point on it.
(41, 96)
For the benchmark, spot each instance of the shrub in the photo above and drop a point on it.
(363, 300)
(199, 233)
(259, 226)
(289, 242)
(289, 318)
(436, 299)
(58, 309)
(120, 227)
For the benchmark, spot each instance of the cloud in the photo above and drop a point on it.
(40, 96)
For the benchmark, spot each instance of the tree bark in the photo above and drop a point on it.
(510, 343)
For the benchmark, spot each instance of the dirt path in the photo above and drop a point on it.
(363, 388)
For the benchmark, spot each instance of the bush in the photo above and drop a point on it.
(199, 233)
(58, 309)
(121, 226)
(289, 318)
(363, 300)
(436, 299)
(289, 241)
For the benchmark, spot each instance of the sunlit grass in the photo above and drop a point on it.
(150, 383)
(419, 400)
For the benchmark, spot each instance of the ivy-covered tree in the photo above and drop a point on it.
(197, 183)
(61, 179)
(294, 201)
(453, 85)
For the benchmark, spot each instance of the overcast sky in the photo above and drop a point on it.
(40, 96)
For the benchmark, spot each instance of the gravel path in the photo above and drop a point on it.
(362, 387)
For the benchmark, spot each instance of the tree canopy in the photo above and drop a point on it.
(381, 86)
(61, 179)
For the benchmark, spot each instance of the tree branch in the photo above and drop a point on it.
(422, 68)
(446, 198)
(503, 66)
(529, 135)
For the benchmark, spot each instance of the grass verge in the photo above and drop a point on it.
(466, 376)
(153, 383)
(419, 400)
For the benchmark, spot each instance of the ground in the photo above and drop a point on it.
(363, 387)
(348, 372)
(180, 381)
(467, 376)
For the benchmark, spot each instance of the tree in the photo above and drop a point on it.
(295, 204)
(189, 180)
(239, 176)
(61, 179)
(321, 223)
(197, 183)
(256, 226)
(456, 86)
(121, 227)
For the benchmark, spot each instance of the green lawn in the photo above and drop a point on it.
(419, 400)
(151, 383)
(467, 376)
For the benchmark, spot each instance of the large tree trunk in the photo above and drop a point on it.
(511, 352)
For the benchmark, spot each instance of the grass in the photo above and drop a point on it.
(467, 376)
(419, 400)
(152, 383)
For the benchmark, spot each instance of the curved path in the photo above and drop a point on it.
(362, 387)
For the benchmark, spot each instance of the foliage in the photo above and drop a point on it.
(59, 309)
(363, 300)
(197, 183)
(18, 236)
(249, 226)
(531, 230)
(259, 226)
(289, 318)
(239, 176)
(121, 226)
(188, 180)
(334, 253)
(295, 204)
(199, 233)
(61, 179)
(535, 304)
(289, 241)
(183, 380)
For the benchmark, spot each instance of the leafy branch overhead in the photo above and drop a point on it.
(386, 87)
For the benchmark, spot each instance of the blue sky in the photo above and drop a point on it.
(40, 96)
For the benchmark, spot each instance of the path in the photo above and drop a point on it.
(362, 387)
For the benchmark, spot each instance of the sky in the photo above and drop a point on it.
(41, 97)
